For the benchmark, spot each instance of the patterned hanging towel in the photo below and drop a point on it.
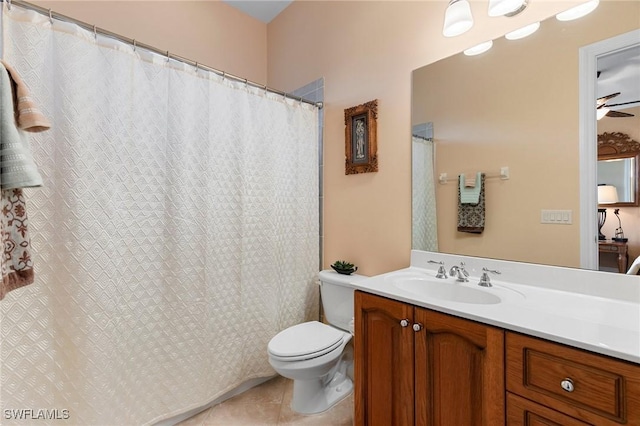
(471, 216)
(18, 114)
(17, 266)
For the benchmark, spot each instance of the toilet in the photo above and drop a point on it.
(313, 354)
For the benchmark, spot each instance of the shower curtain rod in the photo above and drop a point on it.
(96, 30)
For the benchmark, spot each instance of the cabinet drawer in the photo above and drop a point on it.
(590, 387)
(522, 412)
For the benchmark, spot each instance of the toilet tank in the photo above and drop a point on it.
(337, 297)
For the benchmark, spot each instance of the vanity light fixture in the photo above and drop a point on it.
(506, 7)
(578, 11)
(457, 18)
(479, 48)
(523, 32)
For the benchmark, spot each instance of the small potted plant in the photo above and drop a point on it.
(344, 268)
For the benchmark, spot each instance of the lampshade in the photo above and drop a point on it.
(457, 18)
(478, 49)
(607, 194)
(523, 32)
(502, 7)
(578, 11)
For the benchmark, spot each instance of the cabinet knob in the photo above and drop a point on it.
(417, 326)
(567, 384)
(404, 322)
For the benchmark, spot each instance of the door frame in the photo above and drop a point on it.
(588, 135)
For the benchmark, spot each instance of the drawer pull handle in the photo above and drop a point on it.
(404, 323)
(567, 384)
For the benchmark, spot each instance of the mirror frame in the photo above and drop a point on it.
(616, 145)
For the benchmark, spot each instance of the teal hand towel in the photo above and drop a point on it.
(17, 168)
(470, 195)
(471, 217)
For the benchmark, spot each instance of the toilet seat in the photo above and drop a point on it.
(304, 341)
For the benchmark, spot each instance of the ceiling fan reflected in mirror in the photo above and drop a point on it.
(603, 108)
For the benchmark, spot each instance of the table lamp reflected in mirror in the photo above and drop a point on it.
(607, 194)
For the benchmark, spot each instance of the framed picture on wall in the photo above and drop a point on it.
(361, 148)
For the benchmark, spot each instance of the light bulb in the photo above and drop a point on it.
(478, 49)
(601, 112)
(457, 18)
(502, 7)
(578, 11)
(523, 32)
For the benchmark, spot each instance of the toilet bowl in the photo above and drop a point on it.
(313, 354)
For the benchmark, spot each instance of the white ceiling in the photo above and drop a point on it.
(620, 72)
(264, 10)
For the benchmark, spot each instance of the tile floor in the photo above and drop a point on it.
(269, 405)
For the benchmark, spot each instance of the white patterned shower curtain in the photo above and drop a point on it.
(424, 224)
(176, 233)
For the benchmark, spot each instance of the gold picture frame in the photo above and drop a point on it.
(361, 145)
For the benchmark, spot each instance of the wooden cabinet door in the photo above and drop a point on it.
(383, 361)
(459, 370)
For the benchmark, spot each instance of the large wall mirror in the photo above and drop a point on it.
(516, 106)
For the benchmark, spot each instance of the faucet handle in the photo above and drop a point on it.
(442, 272)
(463, 270)
(485, 280)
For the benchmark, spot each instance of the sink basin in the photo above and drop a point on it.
(453, 292)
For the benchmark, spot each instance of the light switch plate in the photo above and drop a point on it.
(557, 217)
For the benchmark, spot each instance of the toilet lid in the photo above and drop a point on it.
(309, 338)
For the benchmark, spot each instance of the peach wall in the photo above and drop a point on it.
(629, 216)
(210, 32)
(365, 51)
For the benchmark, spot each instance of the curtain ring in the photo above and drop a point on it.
(95, 32)
(135, 46)
(245, 83)
(50, 17)
(9, 4)
(196, 67)
(224, 74)
(265, 90)
(168, 56)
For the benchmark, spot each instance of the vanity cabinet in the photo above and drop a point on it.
(589, 388)
(414, 366)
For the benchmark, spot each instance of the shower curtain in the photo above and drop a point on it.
(176, 232)
(424, 224)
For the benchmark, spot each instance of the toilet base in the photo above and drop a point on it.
(316, 396)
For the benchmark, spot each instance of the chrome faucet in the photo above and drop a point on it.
(485, 280)
(460, 272)
(442, 272)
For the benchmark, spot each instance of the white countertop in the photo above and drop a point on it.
(599, 312)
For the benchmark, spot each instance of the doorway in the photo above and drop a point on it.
(588, 67)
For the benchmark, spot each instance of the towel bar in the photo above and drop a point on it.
(504, 175)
